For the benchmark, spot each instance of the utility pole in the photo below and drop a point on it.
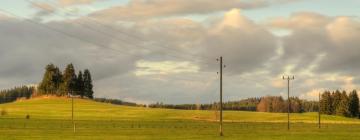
(288, 78)
(221, 92)
(319, 112)
(72, 111)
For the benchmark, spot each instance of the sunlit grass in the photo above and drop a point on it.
(51, 119)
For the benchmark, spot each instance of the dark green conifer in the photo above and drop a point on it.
(353, 104)
(88, 86)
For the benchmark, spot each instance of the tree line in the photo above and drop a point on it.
(340, 103)
(278, 104)
(55, 82)
(263, 104)
(13, 94)
(243, 105)
(117, 102)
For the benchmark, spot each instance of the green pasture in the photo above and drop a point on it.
(50, 118)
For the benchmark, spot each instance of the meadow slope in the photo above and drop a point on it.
(50, 118)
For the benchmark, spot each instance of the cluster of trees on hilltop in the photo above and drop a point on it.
(57, 83)
(340, 103)
(11, 95)
(278, 104)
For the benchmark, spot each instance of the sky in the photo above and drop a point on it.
(149, 51)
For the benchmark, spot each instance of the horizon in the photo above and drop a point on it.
(160, 51)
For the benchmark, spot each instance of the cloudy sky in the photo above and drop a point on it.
(149, 51)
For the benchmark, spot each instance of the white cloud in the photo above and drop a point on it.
(145, 9)
(164, 68)
(312, 95)
(300, 20)
(320, 43)
(278, 83)
(65, 3)
(344, 29)
(244, 44)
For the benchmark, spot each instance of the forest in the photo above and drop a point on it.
(13, 94)
(340, 103)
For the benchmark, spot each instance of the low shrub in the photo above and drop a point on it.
(3, 112)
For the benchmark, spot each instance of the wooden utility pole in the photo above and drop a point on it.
(288, 78)
(221, 92)
(72, 111)
(319, 112)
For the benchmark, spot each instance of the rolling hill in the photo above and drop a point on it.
(50, 118)
(60, 108)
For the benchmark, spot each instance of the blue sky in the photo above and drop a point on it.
(326, 7)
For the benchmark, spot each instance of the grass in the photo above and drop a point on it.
(50, 118)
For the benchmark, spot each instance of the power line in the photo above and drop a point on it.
(124, 33)
(64, 33)
(200, 60)
(71, 35)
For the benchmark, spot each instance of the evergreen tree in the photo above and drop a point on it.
(326, 103)
(80, 85)
(353, 104)
(70, 80)
(48, 84)
(61, 84)
(57, 80)
(343, 108)
(88, 86)
(13, 94)
(296, 105)
(336, 99)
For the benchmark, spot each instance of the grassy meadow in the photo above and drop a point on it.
(50, 118)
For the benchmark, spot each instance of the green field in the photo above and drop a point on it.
(50, 118)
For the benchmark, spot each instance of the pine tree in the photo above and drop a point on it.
(69, 84)
(336, 99)
(296, 105)
(326, 103)
(353, 104)
(343, 108)
(80, 85)
(57, 80)
(88, 86)
(50, 81)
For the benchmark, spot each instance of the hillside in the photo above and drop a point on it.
(60, 108)
(50, 118)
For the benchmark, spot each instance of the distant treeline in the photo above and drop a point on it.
(13, 94)
(245, 105)
(340, 103)
(264, 104)
(278, 104)
(55, 82)
(117, 102)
